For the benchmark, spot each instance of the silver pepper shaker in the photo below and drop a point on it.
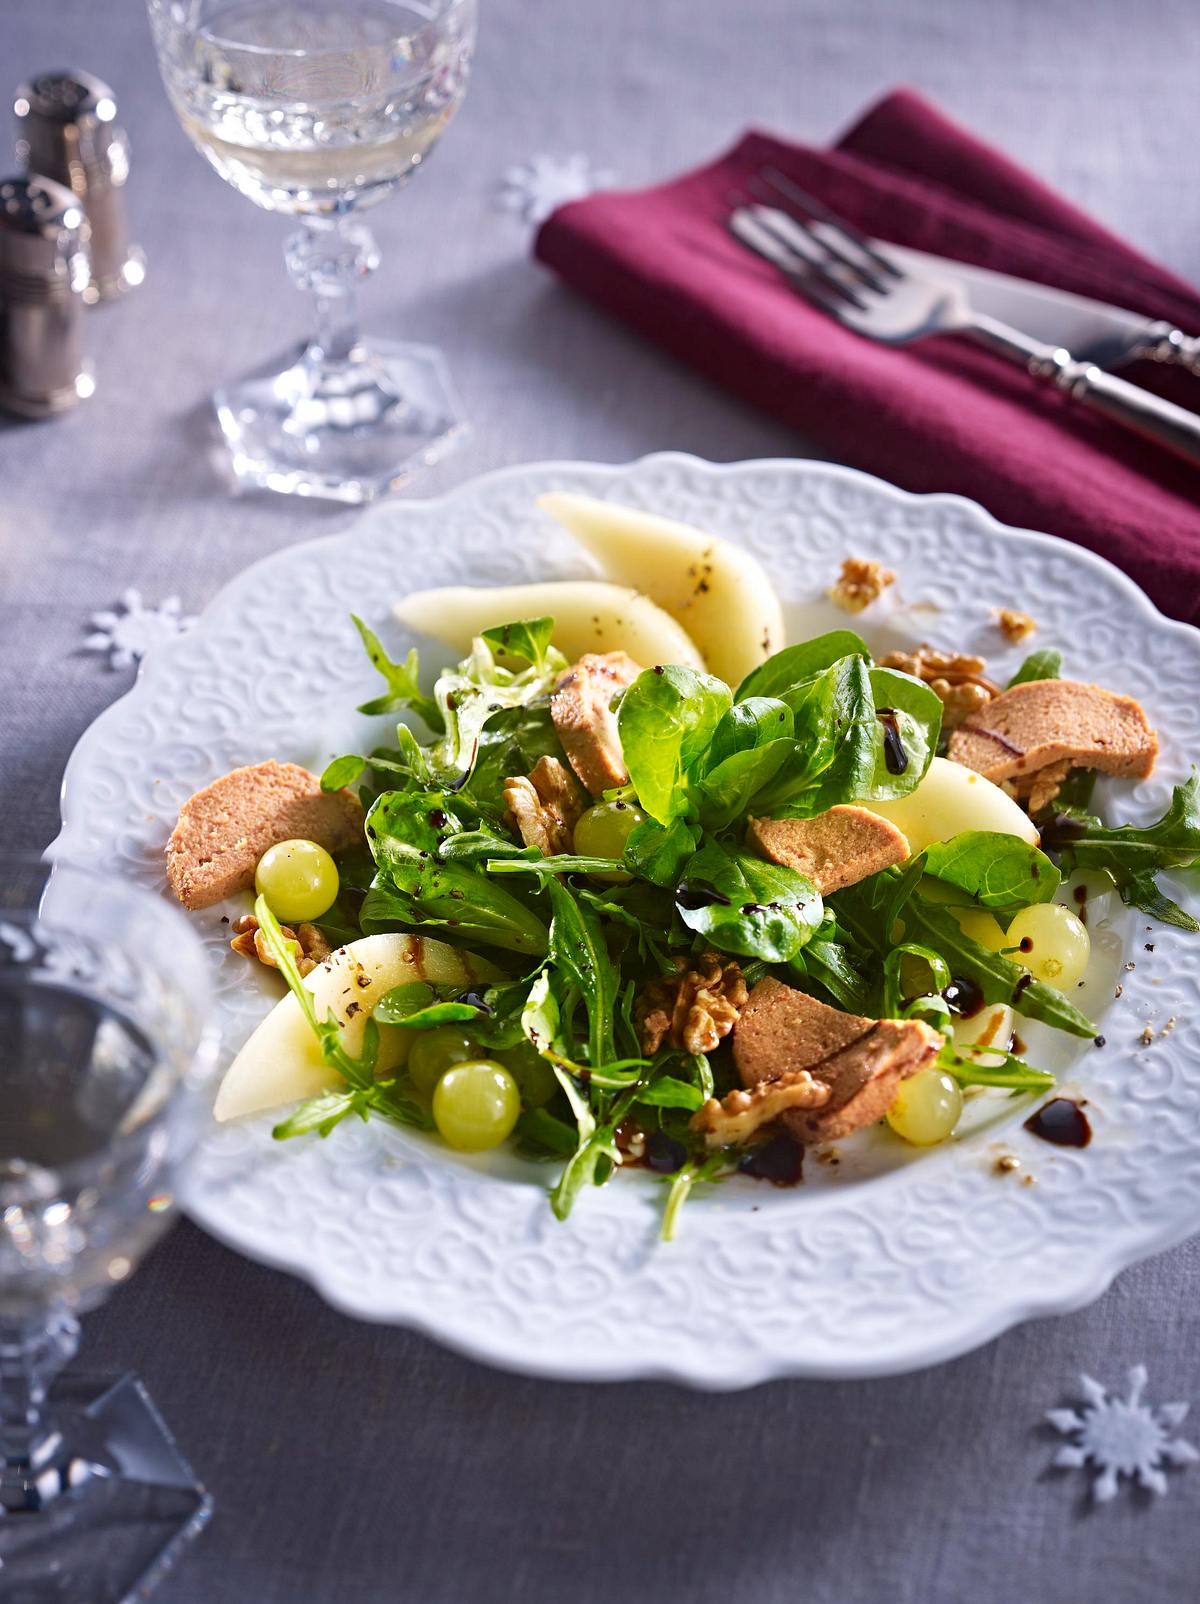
(66, 125)
(43, 276)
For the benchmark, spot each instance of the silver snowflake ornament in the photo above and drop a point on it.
(535, 188)
(1122, 1437)
(128, 634)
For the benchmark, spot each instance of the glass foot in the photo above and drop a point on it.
(346, 430)
(107, 1508)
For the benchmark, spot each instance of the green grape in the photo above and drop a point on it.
(535, 1079)
(603, 831)
(926, 1108)
(433, 1052)
(476, 1104)
(1051, 943)
(299, 880)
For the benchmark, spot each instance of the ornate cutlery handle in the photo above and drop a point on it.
(1140, 410)
(1163, 343)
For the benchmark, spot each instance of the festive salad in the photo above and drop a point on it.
(635, 883)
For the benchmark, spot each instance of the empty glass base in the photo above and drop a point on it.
(347, 430)
(114, 1502)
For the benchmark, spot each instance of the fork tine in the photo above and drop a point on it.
(811, 280)
(818, 252)
(823, 235)
(806, 253)
(815, 208)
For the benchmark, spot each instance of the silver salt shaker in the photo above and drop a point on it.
(43, 276)
(66, 125)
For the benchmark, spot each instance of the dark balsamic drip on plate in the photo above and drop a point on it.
(1080, 895)
(894, 755)
(780, 1161)
(1062, 1122)
(1021, 987)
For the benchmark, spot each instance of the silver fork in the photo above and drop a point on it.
(843, 273)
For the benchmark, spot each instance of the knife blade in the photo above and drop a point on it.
(1093, 331)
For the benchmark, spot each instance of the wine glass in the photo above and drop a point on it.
(319, 109)
(106, 1051)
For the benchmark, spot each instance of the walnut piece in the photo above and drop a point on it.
(692, 1009)
(545, 806)
(309, 947)
(861, 581)
(1014, 626)
(733, 1121)
(958, 680)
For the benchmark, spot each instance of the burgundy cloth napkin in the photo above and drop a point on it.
(942, 415)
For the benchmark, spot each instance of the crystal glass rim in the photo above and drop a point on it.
(195, 978)
(440, 12)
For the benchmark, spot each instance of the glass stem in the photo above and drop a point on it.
(31, 1355)
(327, 257)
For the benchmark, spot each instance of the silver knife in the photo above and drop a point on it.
(1093, 331)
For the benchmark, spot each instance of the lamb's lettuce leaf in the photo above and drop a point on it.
(992, 870)
(743, 905)
(666, 722)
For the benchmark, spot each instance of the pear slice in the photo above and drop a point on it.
(589, 616)
(282, 1062)
(718, 592)
(951, 799)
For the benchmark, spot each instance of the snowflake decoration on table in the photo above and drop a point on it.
(1122, 1437)
(534, 189)
(129, 634)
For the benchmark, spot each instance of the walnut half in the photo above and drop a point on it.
(693, 1009)
(545, 806)
(958, 680)
(309, 947)
(861, 581)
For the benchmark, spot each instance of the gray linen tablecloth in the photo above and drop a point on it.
(353, 1465)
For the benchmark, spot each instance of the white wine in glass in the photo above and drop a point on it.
(319, 109)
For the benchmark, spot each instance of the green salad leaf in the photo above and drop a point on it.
(403, 683)
(1133, 855)
(747, 906)
(795, 664)
(1038, 665)
(995, 871)
(666, 721)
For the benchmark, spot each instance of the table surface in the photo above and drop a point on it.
(353, 1464)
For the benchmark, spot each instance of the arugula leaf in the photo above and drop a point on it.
(578, 948)
(403, 686)
(511, 742)
(539, 1129)
(996, 871)
(993, 1068)
(527, 639)
(670, 1092)
(1045, 664)
(321, 1113)
(417, 1006)
(932, 924)
(1134, 854)
(666, 722)
(691, 1174)
(585, 1164)
(794, 664)
(998, 978)
(747, 906)
(416, 890)
(827, 962)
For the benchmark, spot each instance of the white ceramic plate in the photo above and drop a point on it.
(891, 1259)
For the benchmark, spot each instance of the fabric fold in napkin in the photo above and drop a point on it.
(943, 415)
